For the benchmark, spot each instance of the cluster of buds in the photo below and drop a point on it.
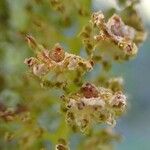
(116, 31)
(56, 60)
(102, 140)
(94, 104)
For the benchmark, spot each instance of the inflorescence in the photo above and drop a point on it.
(56, 59)
(94, 104)
(90, 104)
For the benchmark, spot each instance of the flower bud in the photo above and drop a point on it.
(57, 54)
(118, 101)
(31, 41)
(89, 90)
(39, 69)
(30, 61)
(97, 18)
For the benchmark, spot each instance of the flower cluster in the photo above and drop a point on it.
(90, 104)
(56, 59)
(115, 30)
(122, 40)
(94, 104)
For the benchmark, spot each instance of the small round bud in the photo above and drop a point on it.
(130, 49)
(60, 147)
(39, 69)
(73, 63)
(30, 61)
(57, 54)
(89, 90)
(119, 101)
(97, 18)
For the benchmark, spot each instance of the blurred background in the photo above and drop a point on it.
(20, 17)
